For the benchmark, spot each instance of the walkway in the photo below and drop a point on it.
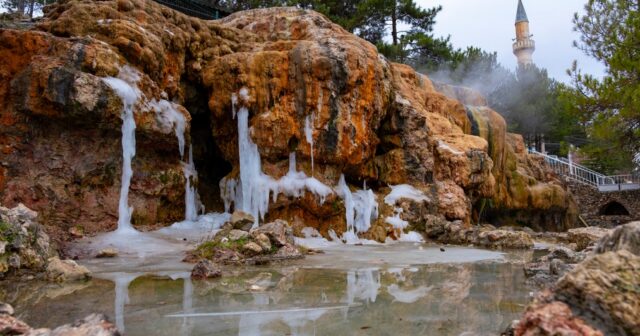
(197, 8)
(565, 167)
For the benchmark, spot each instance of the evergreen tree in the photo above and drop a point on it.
(610, 32)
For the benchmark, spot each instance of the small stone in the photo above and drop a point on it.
(107, 253)
(289, 252)
(242, 221)
(6, 309)
(236, 235)
(263, 240)
(14, 261)
(65, 270)
(206, 269)
(3, 247)
(76, 232)
(252, 248)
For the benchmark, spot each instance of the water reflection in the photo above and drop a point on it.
(370, 298)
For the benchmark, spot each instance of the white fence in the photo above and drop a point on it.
(567, 168)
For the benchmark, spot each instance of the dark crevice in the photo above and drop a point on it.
(207, 157)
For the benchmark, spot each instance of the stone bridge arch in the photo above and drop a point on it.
(607, 209)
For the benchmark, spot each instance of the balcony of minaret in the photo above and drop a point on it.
(524, 44)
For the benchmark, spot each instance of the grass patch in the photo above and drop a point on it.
(6, 232)
(207, 249)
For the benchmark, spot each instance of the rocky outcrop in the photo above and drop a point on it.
(24, 245)
(626, 237)
(305, 86)
(92, 325)
(65, 270)
(268, 243)
(485, 236)
(599, 296)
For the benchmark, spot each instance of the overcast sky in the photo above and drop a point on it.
(489, 24)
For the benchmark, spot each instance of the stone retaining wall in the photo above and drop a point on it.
(606, 209)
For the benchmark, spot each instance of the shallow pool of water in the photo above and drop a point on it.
(399, 289)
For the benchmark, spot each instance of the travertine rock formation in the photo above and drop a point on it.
(310, 87)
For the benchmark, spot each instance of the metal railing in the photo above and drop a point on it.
(565, 167)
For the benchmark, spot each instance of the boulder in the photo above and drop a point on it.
(553, 319)
(604, 291)
(584, 237)
(625, 237)
(235, 235)
(65, 270)
(252, 249)
(10, 325)
(206, 269)
(262, 240)
(279, 232)
(242, 221)
(24, 245)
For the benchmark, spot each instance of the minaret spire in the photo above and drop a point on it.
(524, 46)
(521, 15)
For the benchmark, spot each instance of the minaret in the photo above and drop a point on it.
(524, 46)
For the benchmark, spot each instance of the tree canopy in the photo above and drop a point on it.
(610, 32)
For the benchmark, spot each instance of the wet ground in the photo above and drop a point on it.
(398, 289)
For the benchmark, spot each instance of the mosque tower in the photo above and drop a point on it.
(524, 46)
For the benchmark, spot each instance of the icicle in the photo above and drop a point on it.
(125, 87)
(192, 203)
(361, 208)
(251, 193)
(308, 133)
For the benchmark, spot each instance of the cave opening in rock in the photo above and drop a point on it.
(613, 208)
(209, 162)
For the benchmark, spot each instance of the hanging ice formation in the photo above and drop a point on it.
(403, 191)
(361, 208)
(252, 192)
(308, 134)
(125, 86)
(169, 117)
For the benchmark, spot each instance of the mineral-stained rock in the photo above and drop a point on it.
(368, 119)
(485, 236)
(553, 319)
(604, 291)
(65, 270)
(206, 269)
(584, 237)
(625, 237)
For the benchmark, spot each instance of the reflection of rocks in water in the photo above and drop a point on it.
(439, 299)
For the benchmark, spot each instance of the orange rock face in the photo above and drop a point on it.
(369, 119)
